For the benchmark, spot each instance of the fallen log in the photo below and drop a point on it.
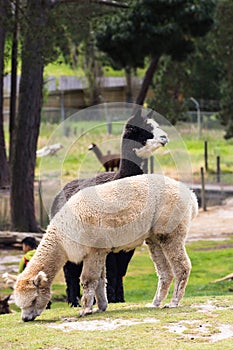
(49, 150)
(10, 238)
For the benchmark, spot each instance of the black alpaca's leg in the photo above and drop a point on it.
(122, 259)
(72, 274)
(120, 298)
(111, 274)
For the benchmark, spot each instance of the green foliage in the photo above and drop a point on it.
(225, 51)
(153, 28)
(204, 70)
(169, 85)
(199, 76)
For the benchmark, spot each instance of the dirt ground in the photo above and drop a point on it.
(214, 224)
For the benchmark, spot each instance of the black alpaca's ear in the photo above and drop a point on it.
(137, 117)
(149, 115)
(135, 120)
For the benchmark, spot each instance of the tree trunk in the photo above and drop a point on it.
(28, 120)
(14, 64)
(129, 94)
(147, 80)
(4, 170)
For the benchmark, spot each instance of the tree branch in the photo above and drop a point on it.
(147, 80)
(101, 2)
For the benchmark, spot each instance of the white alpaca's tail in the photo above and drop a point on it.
(194, 205)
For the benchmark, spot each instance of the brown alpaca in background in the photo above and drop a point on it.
(109, 161)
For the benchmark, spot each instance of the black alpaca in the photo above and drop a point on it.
(140, 138)
(109, 161)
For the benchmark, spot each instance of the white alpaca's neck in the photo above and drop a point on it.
(49, 256)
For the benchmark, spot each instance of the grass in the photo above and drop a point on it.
(159, 328)
(60, 68)
(111, 72)
(181, 158)
(146, 335)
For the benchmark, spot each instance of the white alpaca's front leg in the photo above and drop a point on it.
(93, 281)
(88, 297)
(100, 293)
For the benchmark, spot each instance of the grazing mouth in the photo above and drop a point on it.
(28, 319)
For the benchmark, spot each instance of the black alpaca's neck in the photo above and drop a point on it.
(130, 163)
(128, 168)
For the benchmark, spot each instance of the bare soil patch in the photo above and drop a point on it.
(214, 224)
(206, 330)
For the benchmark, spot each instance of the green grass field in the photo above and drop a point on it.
(203, 320)
(181, 158)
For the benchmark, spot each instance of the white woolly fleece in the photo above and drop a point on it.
(115, 214)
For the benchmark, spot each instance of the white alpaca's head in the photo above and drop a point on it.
(32, 295)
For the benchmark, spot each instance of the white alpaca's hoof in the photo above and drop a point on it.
(152, 306)
(96, 310)
(85, 312)
(169, 306)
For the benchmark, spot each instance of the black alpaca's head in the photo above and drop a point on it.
(143, 135)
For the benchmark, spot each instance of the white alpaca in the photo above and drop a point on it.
(111, 217)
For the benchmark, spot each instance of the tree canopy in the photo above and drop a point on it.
(224, 23)
(151, 29)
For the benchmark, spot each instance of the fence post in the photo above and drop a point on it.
(218, 169)
(151, 164)
(203, 199)
(40, 202)
(145, 166)
(206, 155)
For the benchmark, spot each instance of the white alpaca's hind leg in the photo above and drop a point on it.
(164, 271)
(93, 265)
(100, 292)
(181, 266)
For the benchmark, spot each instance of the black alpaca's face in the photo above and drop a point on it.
(147, 134)
(154, 138)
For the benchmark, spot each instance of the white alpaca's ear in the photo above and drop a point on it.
(40, 280)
